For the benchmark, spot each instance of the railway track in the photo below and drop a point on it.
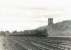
(35, 43)
(25, 44)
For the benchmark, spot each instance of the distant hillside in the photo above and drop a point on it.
(42, 28)
(63, 28)
(58, 29)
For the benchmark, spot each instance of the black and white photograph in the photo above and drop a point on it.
(35, 24)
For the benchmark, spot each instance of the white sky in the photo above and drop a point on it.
(30, 14)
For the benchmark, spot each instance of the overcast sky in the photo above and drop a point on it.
(30, 14)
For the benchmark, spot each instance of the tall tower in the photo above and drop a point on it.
(49, 28)
(50, 21)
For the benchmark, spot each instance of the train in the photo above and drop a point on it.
(36, 32)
